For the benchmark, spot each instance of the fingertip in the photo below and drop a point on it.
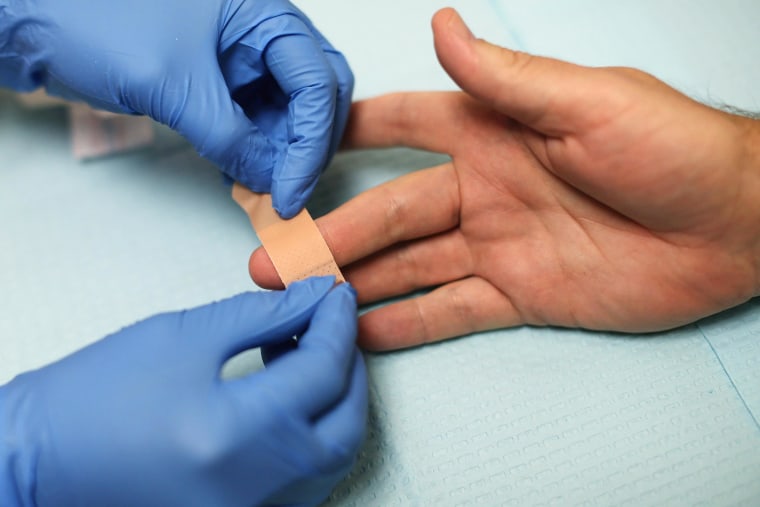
(442, 16)
(454, 46)
(448, 21)
(262, 270)
(348, 294)
(336, 316)
(350, 288)
(450, 33)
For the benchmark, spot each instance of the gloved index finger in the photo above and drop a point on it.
(302, 71)
(315, 376)
(345, 81)
(220, 131)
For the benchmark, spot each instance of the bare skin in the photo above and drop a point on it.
(597, 198)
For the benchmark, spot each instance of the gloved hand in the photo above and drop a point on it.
(142, 418)
(182, 62)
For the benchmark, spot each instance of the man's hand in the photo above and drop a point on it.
(142, 417)
(580, 197)
(251, 83)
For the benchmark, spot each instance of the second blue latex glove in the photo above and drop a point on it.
(142, 417)
(251, 83)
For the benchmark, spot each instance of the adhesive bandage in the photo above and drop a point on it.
(296, 246)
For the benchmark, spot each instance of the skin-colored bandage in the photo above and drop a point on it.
(296, 246)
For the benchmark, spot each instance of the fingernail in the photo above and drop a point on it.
(458, 27)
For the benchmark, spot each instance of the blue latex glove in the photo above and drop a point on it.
(182, 62)
(142, 418)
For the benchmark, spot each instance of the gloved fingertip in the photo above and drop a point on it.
(317, 286)
(289, 210)
(348, 289)
(341, 301)
(289, 196)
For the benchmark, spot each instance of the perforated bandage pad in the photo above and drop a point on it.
(296, 247)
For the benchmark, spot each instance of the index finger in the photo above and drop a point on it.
(432, 121)
(415, 205)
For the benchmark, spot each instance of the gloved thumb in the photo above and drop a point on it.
(543, 93)
(254, 319)
(221, 132)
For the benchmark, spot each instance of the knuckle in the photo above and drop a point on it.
(397, 216)
(408, 267)
(422, 322)
(518, 61)
(463, 308)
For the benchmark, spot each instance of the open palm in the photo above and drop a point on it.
(594, 198)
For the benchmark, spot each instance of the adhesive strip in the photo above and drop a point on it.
(296, 246)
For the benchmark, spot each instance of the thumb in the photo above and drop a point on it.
(220, 131)
(254, 319)
(546, 94)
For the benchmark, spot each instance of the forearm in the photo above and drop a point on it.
(20, 63)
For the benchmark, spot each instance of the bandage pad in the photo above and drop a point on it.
(295, 246)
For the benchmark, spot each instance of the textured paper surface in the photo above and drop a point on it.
(296, 247)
